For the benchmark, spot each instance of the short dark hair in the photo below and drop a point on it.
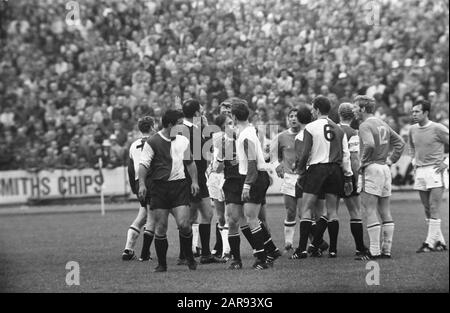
(366, 102)
(322, 103)
(304, 114)
(426, 105)
(220, 120)
(239, 108)
(171, 117)
(190, 106)
(293, 109)
(146, 124)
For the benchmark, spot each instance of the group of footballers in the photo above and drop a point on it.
(319, 161)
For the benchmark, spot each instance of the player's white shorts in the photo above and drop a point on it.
(426, 178)
(376, 180)
(288, 184)
(215, 183)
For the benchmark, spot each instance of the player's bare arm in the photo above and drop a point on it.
(252, 171)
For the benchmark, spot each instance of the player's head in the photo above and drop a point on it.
(292, 118)
(225, 107)
(171, 118)
(366, 106)
(421, 111)
(304, 115)
(145, 124)
(224, 121)
(239, 109)
(346, 111)
(191, 108)
(321, 105)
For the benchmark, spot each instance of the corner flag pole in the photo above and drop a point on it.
(102, 196)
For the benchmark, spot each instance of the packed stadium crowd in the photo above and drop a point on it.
(72, 87)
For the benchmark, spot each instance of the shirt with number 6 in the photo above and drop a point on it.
(325, 142)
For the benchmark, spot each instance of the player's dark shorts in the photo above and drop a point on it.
(169, 194)
(203, 192)
(299, 193)
(147, 198)
(323, 179)
(232, 189)
(355, 188)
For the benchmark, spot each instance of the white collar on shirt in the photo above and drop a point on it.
(188, 123)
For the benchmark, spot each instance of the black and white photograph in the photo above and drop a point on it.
(224, 151)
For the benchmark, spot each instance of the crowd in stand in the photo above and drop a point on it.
(72, 86)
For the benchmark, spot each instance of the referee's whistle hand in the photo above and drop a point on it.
(194, 189)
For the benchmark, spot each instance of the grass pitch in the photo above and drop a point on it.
(34, 250)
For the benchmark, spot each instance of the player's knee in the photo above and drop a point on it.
(185, 227)
(160, 230)
(221, 220)
(290, 214)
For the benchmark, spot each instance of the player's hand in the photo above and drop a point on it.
(441, 168)
(142, 193)
(389, 162)
(280, 171)
(300, 182)
(245, 196)
(195, 189)
(348, 186)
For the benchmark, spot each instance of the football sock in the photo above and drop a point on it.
(132, 236)
(161, 246)
(258, 239)
(235, 244)
(312, 231)
(218, 247)
(440, 236)
(181, 254)
(269, 246)
(305, 230)
(374, 231)
(356, 228)
(186, 245)
(289, 232)
(248, 235)
(388, 234)
(333, 231)
(205, 233)
(148, 238)
(195, 235)
(321, 226)
(434, 230)
(225, 243)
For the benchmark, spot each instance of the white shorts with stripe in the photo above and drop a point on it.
(376, 180)
(288, 185)
(426, 178)
(215, 183)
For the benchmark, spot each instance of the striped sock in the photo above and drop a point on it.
(132, 236)
(388, 235)
(258, 238)
(356, 228)
(186, 245)
(148, 238)
(374, 231)
(248, 235)
(161, 246)
(321, 226)
(333, 231)
(305, 230)
(289, 232)
(235, 246)
(269, 246)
